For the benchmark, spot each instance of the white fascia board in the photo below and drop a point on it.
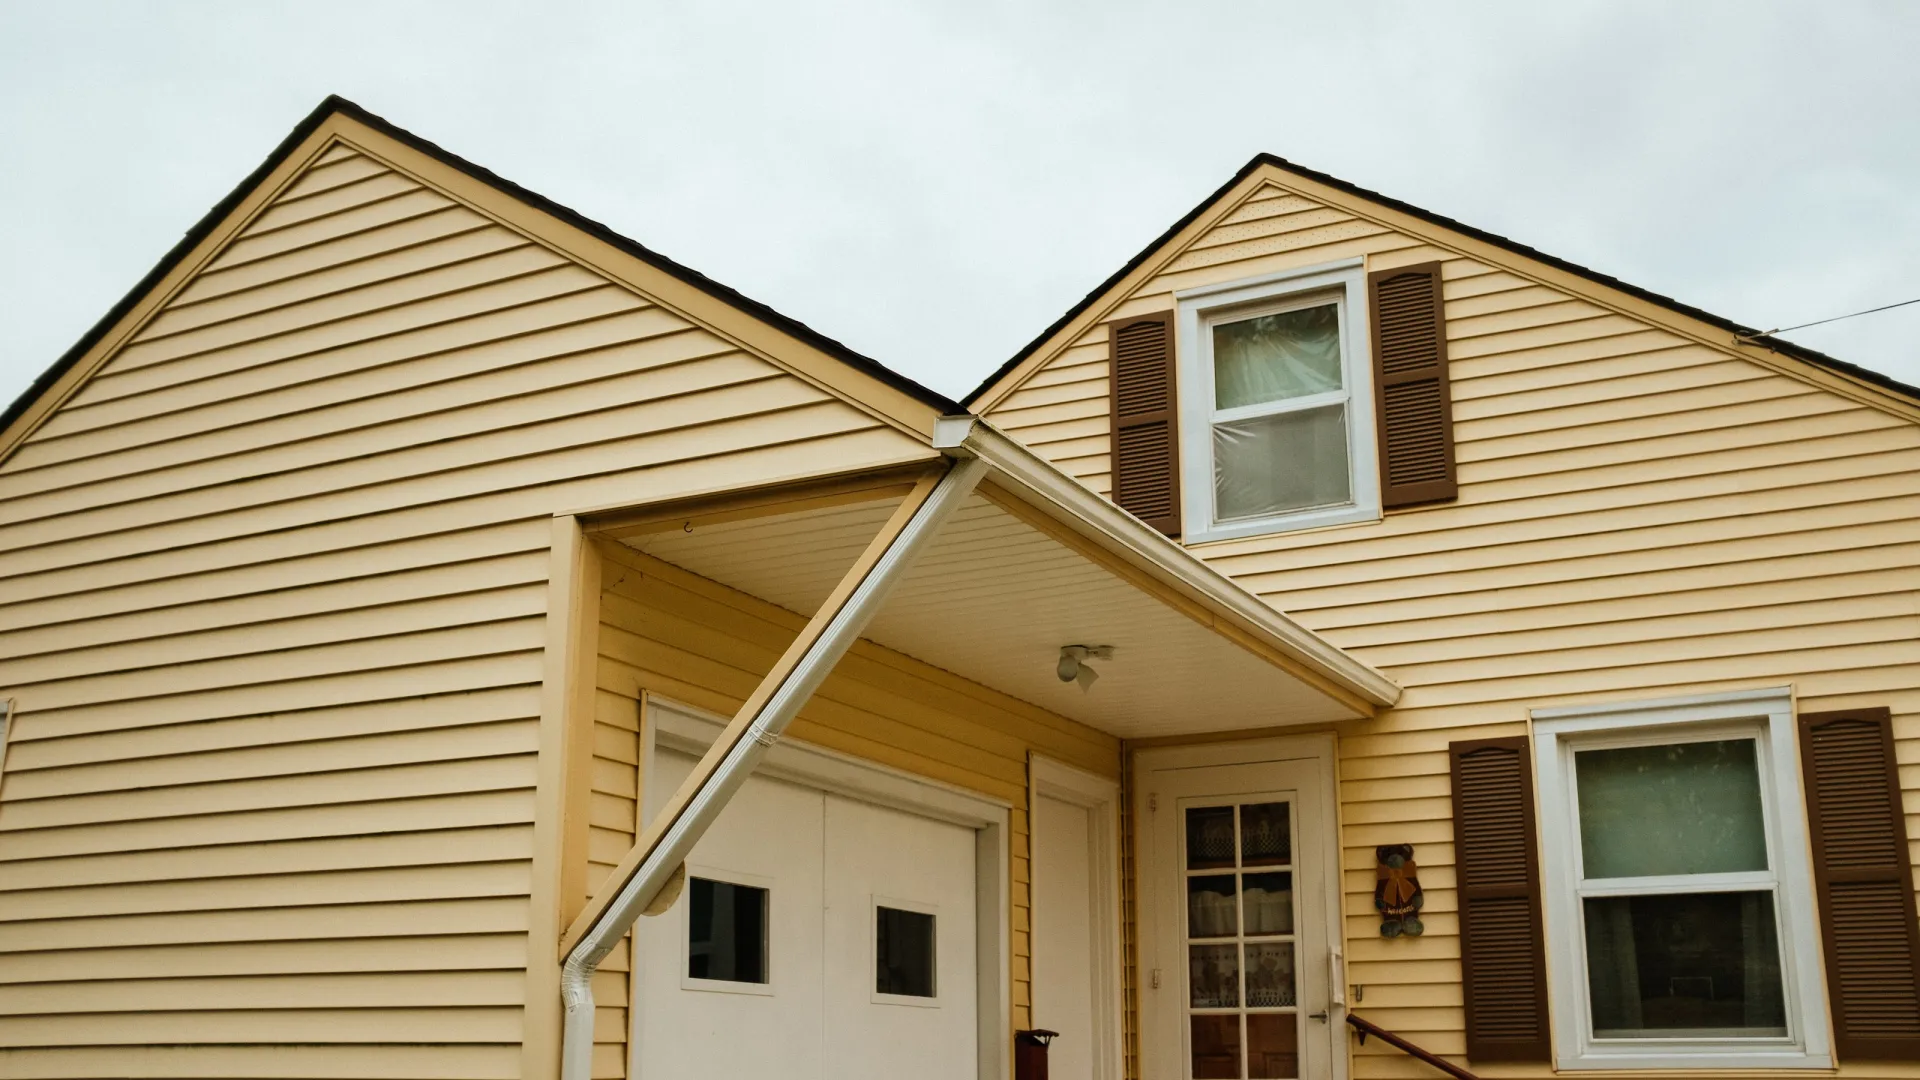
(1073, 504)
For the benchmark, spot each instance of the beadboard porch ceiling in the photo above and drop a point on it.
(993, 599)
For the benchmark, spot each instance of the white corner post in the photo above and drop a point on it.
(666, 842)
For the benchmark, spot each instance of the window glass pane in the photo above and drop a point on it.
(903, 952)
(1270, 975)
(1272, 464)
(1273, 1046)
(726, 931)
(1684, 808)
(1209, 837)
(1210, 906)
(1692, 964)
(1213, 976)
(1274, 357)
(1216, 1047)
(1269, 902)
(1266, 836)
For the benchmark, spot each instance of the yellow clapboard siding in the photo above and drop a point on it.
(1640, 515)
(436, 848)
(476, 879)
(352, 921)
(463, 952)
(389, 1025)
(449, 989)
(254, 1062)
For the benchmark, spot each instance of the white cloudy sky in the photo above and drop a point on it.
(933, 183)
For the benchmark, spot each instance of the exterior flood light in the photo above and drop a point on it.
(1073, 666)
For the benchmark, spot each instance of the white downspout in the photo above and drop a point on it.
(660, 864)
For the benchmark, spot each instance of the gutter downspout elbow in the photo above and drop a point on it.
(576, 992)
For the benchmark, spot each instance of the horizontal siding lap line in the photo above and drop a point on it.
(365, 193)
(446, 277)
(289, 890)
(1839, 583)
(321, 260)
(484, 637)
(370, 396)
(496, 420)
(381, 589)
(527, 507)
(243, 251)
(694, 442)
(344, 754)
(242, 581)
(1804, 487)
(266, 637)
(201, 305)
(135, 373)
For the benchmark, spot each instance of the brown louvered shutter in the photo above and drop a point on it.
(1146, 453)
(1502, 953)
(1865, 884)
(1410, 394)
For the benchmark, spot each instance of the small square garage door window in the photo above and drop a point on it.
(903, 952)
(726, 931)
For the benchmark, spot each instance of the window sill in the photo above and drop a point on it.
(1683, 1060)
(1292, 523)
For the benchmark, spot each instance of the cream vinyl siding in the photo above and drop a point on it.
(669, 632)
(273, 591)
(1640, 516)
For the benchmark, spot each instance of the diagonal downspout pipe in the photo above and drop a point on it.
(699, 811)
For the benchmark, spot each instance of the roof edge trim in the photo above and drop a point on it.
(336, 105)
(1264, 160)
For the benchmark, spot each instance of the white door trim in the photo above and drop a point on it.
(1101, 798)
(671, 725)
(1319, 749)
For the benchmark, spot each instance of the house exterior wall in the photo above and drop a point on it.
(273, 606)
(671, 633)
(1641, 514)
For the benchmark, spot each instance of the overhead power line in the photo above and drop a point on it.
(1823, 322)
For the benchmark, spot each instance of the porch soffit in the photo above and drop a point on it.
(994, 598)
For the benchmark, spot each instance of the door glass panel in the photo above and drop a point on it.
(1241, 980)
(1699, 963)
(1213, 976)
(1270, 975)
(1682, 808)
(1216, 1047)
(1209, 837)
(1269, 904)
(1210, 906)
(1266, 835)
(1273, 1046)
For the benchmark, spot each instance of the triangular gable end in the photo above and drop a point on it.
(343, 159)
(1360, 211)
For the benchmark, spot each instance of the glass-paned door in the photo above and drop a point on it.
(1242, 987)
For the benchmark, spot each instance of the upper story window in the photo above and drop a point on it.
(1276, 405)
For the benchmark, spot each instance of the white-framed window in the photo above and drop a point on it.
(906, 952)
(728, 932)
(1276, 403)
(1679, 894)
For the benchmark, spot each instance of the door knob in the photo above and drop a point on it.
(1320, 1016)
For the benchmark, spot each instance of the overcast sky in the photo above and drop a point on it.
(934, 183)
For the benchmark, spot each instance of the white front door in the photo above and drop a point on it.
(1238, 911)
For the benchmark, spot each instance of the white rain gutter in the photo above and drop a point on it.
(659, 865)
(1144, 547)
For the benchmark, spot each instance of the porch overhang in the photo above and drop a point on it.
(1033, 561)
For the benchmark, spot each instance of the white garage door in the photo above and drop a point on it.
(818, 936)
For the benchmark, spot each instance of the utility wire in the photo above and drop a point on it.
(1823, 322)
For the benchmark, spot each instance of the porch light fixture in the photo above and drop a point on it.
(1073, 665)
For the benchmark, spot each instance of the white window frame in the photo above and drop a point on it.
(1196, 311)
(1767, 717)
(876, 902)
(725, 986)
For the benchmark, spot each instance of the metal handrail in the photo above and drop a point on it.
(1368, 1027)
